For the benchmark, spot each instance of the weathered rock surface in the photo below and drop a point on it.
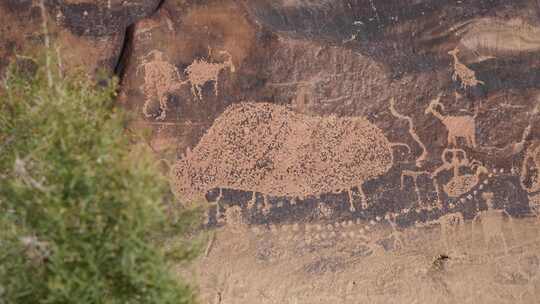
(454, 87)
(89, 35)
(384, 62)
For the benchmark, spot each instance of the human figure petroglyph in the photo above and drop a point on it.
(160, 79)
(492, 221)
(458, 184)
(457, 126)
(269, 149)
(462, 72)
(422, 158)
(200, 72)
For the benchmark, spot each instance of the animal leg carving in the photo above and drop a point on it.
(218, 206)
(267, 205)
(253, 200)
(363, 197)
(437, 190)
(216, 85)
(472, 139)
(293, 201)
(351, 203)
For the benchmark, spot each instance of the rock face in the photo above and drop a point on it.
(432, 75)
(438, 100)
(88, 35)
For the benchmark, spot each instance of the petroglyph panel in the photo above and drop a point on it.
(357, 151)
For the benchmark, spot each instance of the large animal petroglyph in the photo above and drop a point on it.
(457, 126)
(270, 149)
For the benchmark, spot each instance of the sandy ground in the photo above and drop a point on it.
(358, 262)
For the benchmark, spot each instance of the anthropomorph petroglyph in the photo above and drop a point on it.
(462, 72)
(200, 72)
(457, 126)
(160, 79)
(422, 158)
(463, 183)
(459, 184)
(492, 221)
(269, 149)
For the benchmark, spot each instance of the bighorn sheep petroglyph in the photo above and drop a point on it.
(457, 126)
(270, 149)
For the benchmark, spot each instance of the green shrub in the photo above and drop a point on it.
(80, 205)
